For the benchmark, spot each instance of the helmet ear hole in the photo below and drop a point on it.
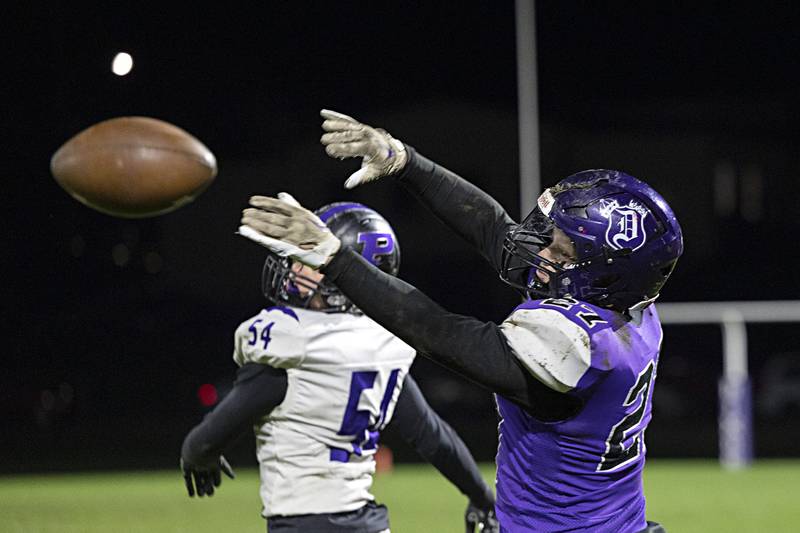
(579, 211)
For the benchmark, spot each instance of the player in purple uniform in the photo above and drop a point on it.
(572, 366)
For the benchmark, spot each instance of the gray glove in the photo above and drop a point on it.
(382, 154)
(286, 228)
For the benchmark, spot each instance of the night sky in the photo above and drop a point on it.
(104, 356)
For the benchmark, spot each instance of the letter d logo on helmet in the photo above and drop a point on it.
(626, 226)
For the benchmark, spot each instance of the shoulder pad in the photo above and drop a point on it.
(273, 337)
(550, 343)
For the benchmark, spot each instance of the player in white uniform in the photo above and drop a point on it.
(318, 381)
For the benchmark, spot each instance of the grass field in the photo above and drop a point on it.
(685, 496)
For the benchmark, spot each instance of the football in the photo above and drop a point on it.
(134, 167)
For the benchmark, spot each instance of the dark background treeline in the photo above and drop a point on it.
(112, 325)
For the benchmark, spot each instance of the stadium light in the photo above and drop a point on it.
(122, 64)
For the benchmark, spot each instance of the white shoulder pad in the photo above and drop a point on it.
(273, 337)
(553, 348)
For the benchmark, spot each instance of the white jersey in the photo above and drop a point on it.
(344, 373)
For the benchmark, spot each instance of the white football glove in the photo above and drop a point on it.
(286, 228)
(382, 154)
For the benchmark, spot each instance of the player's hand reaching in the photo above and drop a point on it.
(382, 154)
(202, 479)
(481, 520)
(286, 228)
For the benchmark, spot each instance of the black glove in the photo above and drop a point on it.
(205, 477)
(481, 520)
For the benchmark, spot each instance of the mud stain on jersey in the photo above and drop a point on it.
(624, 335)
(587, 343)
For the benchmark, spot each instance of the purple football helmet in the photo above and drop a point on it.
(627, 241)
(358, 227)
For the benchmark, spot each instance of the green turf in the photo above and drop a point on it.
(686, 496)
(697, 496)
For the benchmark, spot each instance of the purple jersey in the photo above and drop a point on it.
(582, 474)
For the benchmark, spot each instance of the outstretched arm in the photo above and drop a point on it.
(257, 390)
(438, 443)
(464, 208)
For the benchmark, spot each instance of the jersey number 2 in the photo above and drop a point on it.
(617, 453)
(358, 422)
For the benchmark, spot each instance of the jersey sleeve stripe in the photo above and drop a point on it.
(285, 310)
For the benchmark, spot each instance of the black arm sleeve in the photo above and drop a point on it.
(439, 444)
(477, 350)
(257, 390)
(463, 207)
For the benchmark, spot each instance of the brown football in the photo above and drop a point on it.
(134, 167)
